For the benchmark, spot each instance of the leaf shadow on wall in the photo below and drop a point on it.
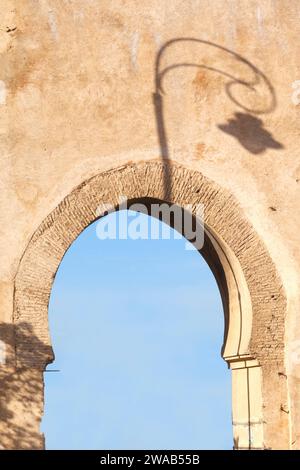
(21, 390)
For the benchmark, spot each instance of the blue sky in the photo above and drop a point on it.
(137, 328)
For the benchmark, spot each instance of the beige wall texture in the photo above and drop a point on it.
(183, 101)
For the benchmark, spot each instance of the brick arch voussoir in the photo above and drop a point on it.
(146, 179)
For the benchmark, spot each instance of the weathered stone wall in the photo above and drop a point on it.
(88, 86)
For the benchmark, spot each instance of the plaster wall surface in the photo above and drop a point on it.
(77, 85)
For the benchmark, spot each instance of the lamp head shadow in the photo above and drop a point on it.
(250, 133)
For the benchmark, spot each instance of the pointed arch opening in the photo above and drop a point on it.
(136, 325)
(253, 299)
